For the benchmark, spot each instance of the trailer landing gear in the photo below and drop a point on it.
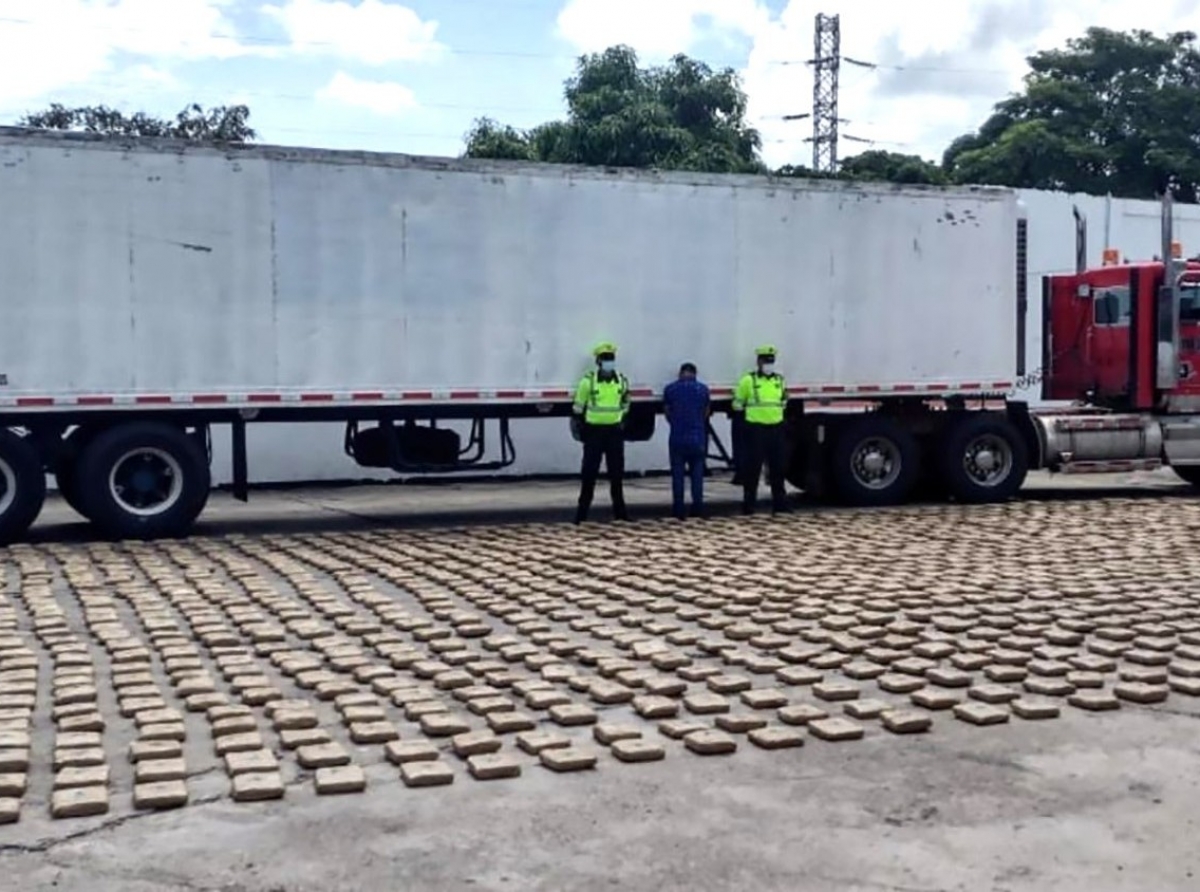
(22, 486)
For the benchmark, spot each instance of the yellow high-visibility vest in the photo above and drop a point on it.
(762, 397)
(602, 401)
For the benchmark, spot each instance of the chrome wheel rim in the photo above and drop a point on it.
(876, 463)
(146, 481)
(988, 460)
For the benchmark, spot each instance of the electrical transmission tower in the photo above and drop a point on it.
(826, 63)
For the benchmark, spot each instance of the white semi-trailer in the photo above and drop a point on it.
(154, 294)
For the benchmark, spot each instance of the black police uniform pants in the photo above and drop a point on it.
(763, 444)
(602, 442)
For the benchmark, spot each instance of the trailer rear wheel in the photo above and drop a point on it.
(875, 462)
(1188, 473)
(984, 459)
(22, 486)
(143, 481)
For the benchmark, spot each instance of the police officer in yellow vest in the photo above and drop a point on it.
(761, 396)
(601, 403)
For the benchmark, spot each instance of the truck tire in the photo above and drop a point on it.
(66, 478)
(874, 462)
(22, 486)
(1188, 473)
(66, 475)
(984, 459)
(144, 480)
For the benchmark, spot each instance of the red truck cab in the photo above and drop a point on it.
(1124, 336)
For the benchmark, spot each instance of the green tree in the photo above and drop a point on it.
(1113, 112)
(219, 124)
(893, 167)
(679, 116)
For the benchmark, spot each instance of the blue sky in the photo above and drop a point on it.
(411, 75)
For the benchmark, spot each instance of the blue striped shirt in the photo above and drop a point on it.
(686, 403)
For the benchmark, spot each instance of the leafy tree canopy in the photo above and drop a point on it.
(1112, 112)
(893, 167)
(219, 124)
(681, 116)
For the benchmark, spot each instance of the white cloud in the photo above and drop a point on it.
(371, 31)
(380, 97)
(51, 45)
(657, 29)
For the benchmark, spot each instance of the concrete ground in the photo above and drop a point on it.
(1078, 600)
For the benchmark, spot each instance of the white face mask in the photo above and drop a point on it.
(607, 365)
(768, 368)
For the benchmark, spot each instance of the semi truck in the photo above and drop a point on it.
(157, 294)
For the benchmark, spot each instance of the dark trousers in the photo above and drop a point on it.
(602, 442)
(687, 461)
(763, 444)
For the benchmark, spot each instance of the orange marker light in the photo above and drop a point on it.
(1111, 256)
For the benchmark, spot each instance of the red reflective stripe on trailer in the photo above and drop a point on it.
(34, 401)
(366, 396)
(94, 401)
(316, 397)
(798, 390)
(264, 398)
(642, 391)
(556, 394)
(869, 388)
(937, 387)
(152, 400)
(510, 394)
(465, 395)
(417, 395)
(974, 385)
(209, 398)
(1002, 385)
(903, 388)
(720, 391)
(832, 388)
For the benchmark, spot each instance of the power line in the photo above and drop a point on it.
(264, 40)
(876, 66)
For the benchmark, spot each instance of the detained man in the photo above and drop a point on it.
(686, 406)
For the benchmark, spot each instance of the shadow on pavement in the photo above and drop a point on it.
(315, 514)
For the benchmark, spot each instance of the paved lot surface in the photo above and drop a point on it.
(440, 688)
